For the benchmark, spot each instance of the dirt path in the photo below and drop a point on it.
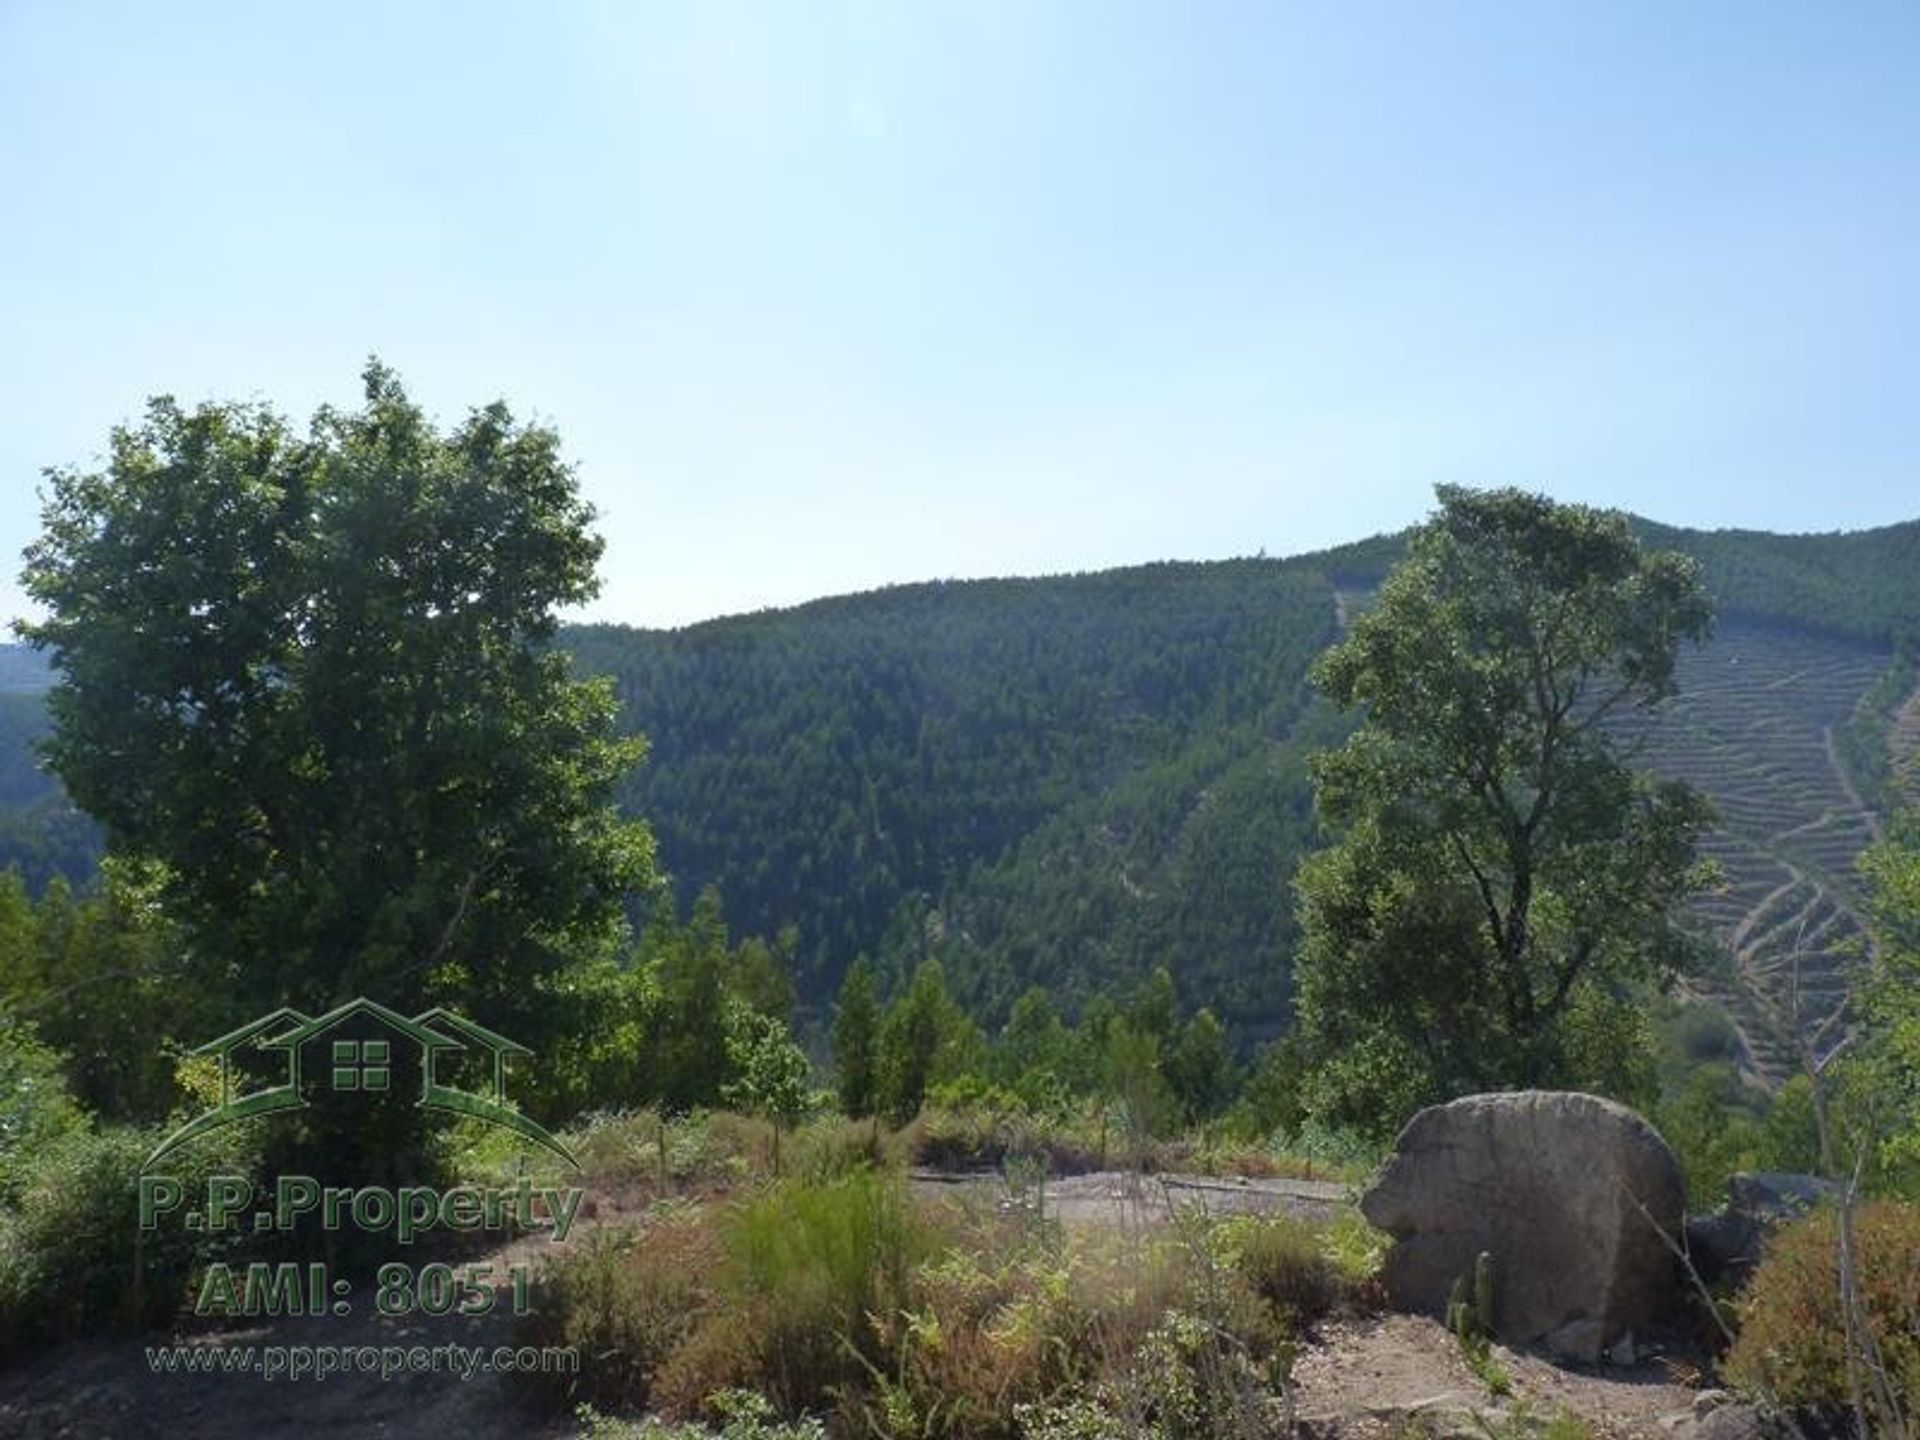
(1120, 1197)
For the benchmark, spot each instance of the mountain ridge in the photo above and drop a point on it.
(1068, 780)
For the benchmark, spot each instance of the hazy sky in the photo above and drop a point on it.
(824, 296)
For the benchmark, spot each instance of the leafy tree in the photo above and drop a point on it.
(762, 975)
(1500, 865)
(663, 1023)
(856, 1036)
(1155, 1009)
(1273, 1099)
(686, 1050)
(926, 1038)
(310, 675)
(771, 1072)
(1200, 1069)
(1135, 1082)
(35, 1108)
(1034, 1056)
(1880, 1090)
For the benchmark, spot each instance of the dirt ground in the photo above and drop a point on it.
(1120, 1198)
(1389, 1374)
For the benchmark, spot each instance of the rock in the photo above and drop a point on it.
(1726, 1245)
(1562, 1190)
(1708, 1401)
(1738, 1422)
(1622, 1352)
(1582, 1341)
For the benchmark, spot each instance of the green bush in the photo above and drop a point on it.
(1713, 1125)
(640, 1147)
(35, 1108)
(73, 1259)
(813, 1277)
(1285, 1262)
(829, 1147)
(1792, 1344)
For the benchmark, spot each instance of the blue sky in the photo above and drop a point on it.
(827, 296)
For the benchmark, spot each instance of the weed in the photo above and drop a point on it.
(627, 1302)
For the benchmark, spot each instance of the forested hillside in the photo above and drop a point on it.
(1057, 781)
(1068, 781)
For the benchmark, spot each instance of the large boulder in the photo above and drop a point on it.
(1568, 1193)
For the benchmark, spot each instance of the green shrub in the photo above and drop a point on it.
(1194, 1380)
(1080, 1418)
(1356, 1251)
(814, 1278)
(1702, 1034)
(35, 1108)
(1792, 1343)
(73, 1259)
(1713, 1124)
(641, 1147)
(829, 1147)
(999, 1322)
(1284, 1262)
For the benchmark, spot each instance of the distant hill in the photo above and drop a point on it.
(23, 671)
(1067, 781)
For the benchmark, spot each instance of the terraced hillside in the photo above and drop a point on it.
(1903, 744)
(1754, 727)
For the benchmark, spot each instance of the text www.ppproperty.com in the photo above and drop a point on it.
(318, 1362)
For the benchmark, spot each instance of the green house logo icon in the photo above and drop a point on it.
(362, 1047)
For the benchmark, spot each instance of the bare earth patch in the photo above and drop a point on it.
(1393, 1375)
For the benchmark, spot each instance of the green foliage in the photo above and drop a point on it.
(1200, 1070)
(1470, 1321)
(1864, 585)
(1006, 776)
(1135, 1085)
(678, 1021)
(856, 1041)
(35, 1108)
(107, 980)
(843, 1298)
(1469, 1318)
(1883, 1084)
(73, 1259)
(1273, 1099)
(1792, 1340)
(811, 1273)
(1069, 780)
(1861, 744)
(41, 835)
(310, 676)
(772, 1073)
(1287, 1264)
(1501, 875)
(925, 1039)
(1715, 1127)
